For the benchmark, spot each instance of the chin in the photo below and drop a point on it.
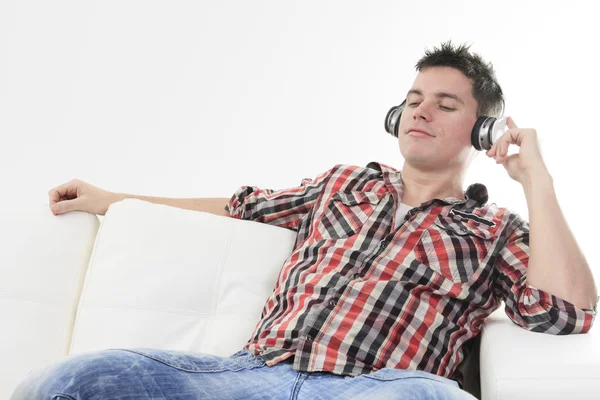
(422, 163)
(417, 155)
(419, 161)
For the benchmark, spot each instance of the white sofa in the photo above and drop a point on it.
(150, 275)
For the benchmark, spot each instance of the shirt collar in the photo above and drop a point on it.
(476, 194)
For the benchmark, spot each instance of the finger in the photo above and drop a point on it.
(498, 150)
(502, 149)
(66, 206)
(64, 190)
(506, 160)
(506, 149)
(492, 151)
(497, 146)
(511, 123)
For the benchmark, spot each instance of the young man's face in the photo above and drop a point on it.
(440, 103)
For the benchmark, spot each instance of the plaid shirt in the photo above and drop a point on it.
(357, 295)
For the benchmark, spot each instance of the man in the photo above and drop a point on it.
(392, 273)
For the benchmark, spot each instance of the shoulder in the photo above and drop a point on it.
(509, 219)
(373, 169)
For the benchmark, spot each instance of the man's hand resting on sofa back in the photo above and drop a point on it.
(78, 195)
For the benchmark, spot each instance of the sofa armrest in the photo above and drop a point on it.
(519, 364)
(43, 260)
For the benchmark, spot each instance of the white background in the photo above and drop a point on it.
(196, 98)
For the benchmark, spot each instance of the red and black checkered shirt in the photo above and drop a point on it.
(357, 295)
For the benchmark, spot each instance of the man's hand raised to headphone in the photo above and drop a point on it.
(528, 163)
(78, 195)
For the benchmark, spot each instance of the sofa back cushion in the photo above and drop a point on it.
(169, 278)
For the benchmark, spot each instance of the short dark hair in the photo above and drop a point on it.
(486, 90)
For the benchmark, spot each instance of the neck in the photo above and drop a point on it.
(420, 186)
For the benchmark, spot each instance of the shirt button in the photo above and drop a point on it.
(332, 303)
(309, 338)
(355, 276)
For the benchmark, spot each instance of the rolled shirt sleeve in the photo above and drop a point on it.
(531, 308)
(284, 208)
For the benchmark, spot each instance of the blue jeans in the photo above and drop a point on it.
(175, 375)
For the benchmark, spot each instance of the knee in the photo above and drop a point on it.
(416, 388)
(68, 378)
(435, 390)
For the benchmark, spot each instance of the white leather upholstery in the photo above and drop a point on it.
(43, 259)
(177, 279)
(170, 278)
(516, 364)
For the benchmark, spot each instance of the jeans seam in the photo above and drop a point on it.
(56, 396)
(409, 377)
(223, 369)
(300, 378)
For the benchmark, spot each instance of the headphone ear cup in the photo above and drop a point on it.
(388, 121)
(477, 134)
(392, 119)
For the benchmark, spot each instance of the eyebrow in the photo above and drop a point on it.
(438, 95)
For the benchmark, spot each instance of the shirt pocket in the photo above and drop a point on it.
(455, 245)
(345, 214)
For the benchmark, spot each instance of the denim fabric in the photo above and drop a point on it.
(120, 374)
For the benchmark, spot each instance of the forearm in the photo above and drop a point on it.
(556, 263)
(211, 205)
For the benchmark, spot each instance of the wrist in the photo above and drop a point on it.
(536, 177)
(536, 181)
(117, 197)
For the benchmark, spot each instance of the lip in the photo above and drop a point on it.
(416, 130)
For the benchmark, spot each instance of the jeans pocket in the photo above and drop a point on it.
(201, 362)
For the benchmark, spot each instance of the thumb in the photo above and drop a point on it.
(66, 206)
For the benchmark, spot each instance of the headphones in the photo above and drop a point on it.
(483, 136)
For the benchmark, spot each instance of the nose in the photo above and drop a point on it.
(421, 112)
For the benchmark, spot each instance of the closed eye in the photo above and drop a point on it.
(414, 104)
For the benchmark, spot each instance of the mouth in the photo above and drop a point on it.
(418, 133)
